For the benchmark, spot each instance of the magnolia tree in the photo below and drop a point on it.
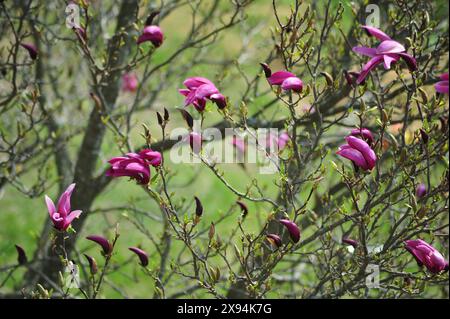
(323, 124)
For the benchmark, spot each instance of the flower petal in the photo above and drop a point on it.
(371, 52)
(368, 67)
(377, 33)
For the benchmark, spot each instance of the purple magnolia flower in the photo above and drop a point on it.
(143, 257)
(427, 255)
(103, 242)
(199, 90)
(283, 140)
(421, 190)
(239, 144)
(387, 52)
(154, 158)
(359, 152)
(195, 141)
(131, 165)
(350, 242)
(363, 133)
(244, 208)
(292, 228)
(287, 81)
(153, 34)
(442, 86)
(129, 82)
(274, 240)
(62, 216)
(31, 48)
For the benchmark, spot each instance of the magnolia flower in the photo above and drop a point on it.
(31, 48)
(103, 242)
(292, 228)
(359, 152)
(427, 255)
(195, 142)
(421, 190)
(62, 216)
(153, 34)
(239, 144)
(274, 240)
(154, 158)
(387, 52)
(442, 86)
(129, 82)
(143, 257)
(350, 242)
(199, 90)
(131, 165)
(363, 133)
(283, 140)
(287, 81)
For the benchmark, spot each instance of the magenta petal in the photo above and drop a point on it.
(70, 217)
(64, 201)
(143, 257)
(364, 148)
(376, 33)
(365, 133)
(388, 60)
(184, 92)
(277, 78)
(354, 155)
(292, 228)
(368, 67)
(50, 206)
(390, 47)
(292, 83)
(444, 77)
(205, 91)
(371, 52)
(195, 82)
(410, 60)
(442, 87)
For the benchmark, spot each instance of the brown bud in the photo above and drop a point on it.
(92, 264)
(21, 255)
(198, 207)
(267, 70)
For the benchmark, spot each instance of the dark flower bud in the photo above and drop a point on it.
(350, 242)
(244, 208)
(267, 70)
(103, 242)
(32, 50)
(92, 264)
(143, 257)
(292, 228)
(274, 240)
(424, 136)
(21, 256)
(198, 207)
